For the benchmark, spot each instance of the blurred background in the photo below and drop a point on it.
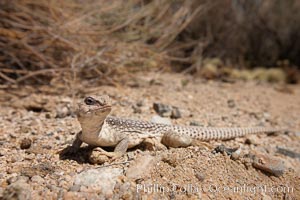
(54, 41)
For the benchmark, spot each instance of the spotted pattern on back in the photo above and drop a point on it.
(201, 133)
(136, 126)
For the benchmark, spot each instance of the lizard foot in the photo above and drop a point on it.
(99, 156)
(153, 145)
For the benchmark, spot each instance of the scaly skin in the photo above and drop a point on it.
(100, 130)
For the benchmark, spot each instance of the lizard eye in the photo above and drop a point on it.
(89, 101)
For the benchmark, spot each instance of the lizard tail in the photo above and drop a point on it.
(210, 133)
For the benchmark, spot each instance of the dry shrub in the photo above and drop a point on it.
(100, 39)
(243, 33)
(42, 40)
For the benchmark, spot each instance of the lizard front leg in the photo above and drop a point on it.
(73, 149)
(77, 142)
(120, 149)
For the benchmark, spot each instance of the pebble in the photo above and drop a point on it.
(126, 191)
(47, 115)
(141, 165)
(195, 123)
(252, 139)
(266, 197)
(53, 188)
(63, 112)
(17, 190)
(70, 196)
(269, 164)
(236, 155)
(25, 143)
(23, 178)
(17, 158)
(175, 113)
(231, 103)
(223, 149)
(288, 153)
(200, 176)
(75, 188)
(136, 109)
(37, 179)
(163, 109)
(12, 179)
(140, 103)
(102, 179)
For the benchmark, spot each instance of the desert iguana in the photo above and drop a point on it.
(101, 130)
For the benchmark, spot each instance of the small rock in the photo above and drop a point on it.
(200, 176)
(162, 109)
(37, 179)
(126, 191)
(231, 103)
(40, 169)
(136, 109)
(140, 103)
(248, 160)
(70, 195)
(171, 160)
(23, 178)
(13, 136)
(288, 153)
(195, 123)
(266, 197)
(35, 150)
(185, 113)
(74, 188)
(102, 179)
(223, 149)
(252, 139)
(257, 115)
(17, 190)
(47, 115)
(175, 113)
(25, 143)
(12, 179)
(53, 188)
(236, 155)
(63, 112)
(269, 164)
(224, 118)
(141, 165)
(160, 120)
(167, 110)
(17, 158)
(124, 103)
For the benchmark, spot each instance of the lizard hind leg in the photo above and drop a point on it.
(173, 139)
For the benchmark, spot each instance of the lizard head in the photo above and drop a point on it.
(93, 111)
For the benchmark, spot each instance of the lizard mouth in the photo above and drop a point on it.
(103, 108)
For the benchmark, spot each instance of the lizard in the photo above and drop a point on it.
(99, 129)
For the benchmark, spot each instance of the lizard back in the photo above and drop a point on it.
(195, 132)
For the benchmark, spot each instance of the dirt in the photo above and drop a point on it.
(37, 124)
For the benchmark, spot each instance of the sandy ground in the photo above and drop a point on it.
(37, 123)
